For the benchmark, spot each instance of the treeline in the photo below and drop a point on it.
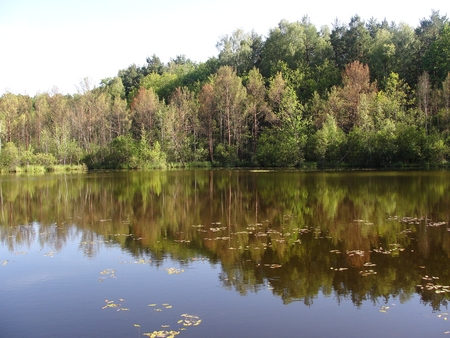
(366, 94)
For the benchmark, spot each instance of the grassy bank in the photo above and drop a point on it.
(37, 169)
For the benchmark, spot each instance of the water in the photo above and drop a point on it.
(225, 254)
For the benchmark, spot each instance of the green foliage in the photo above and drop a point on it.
(436, 59)
(436, 151)
(382, 56)
(277, 149)
(131, 78)
(14, 159)
(329, 142)
(350, 43)
(163, 85)
(43, 159)
(226, 154)
(363, 94)
(114, 87)
(410, 143)
(122, 153)
(9, 157)
(150, 156)
(239, 50)
(385, 145)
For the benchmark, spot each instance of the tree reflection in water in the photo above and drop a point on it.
(353, 235)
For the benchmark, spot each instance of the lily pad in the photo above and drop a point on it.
(161, 334)
(174, 271)
(190, 320)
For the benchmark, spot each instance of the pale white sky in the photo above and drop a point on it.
(57, 43)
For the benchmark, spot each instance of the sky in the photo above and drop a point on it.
(52, 45)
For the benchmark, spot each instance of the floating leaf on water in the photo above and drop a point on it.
(5, 262)
(108, 272)
(165, 325)
(367, 273)
(190, 320)
(136, 325)
(174, 271)
(140, 261)
(110, 303)
(384, 309)
(355, 252)
(153, 304)
(158, 310)
(161, 334)
(217, 229)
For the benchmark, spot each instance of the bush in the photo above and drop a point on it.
(122, 153)
(226, 155)
(151, 157)
(9, 157)
(43, 159)
(277, 150)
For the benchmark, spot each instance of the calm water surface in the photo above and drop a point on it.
(225, 254)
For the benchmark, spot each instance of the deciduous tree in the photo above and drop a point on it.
(257, 107)
(144, 108)
(230, 95)
(208, 117)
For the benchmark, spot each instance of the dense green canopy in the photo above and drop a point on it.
(366, 93)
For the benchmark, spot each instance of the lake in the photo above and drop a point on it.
(225, 253)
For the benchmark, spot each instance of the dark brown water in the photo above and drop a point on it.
(225, 254)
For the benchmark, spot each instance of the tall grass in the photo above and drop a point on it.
(40, 169)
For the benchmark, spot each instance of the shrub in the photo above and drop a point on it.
(9, 157)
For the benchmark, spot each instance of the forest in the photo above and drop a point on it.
(366, 94)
